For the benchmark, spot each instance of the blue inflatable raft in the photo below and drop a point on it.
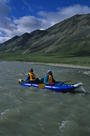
(58, 88)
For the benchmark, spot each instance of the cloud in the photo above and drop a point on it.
(63, 13)
(43, 20)
(3, 39)
(76, 9)
(29, 24)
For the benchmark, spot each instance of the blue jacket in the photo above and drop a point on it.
(45, 81)
(27, 77)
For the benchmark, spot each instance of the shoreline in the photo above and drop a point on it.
(68, 65)
(63, 65)
(86, 68)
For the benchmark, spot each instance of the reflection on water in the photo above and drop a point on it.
(37, 112)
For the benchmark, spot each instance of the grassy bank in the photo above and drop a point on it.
(85, 61)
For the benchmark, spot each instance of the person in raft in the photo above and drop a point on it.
(48, 79)
(31, 77)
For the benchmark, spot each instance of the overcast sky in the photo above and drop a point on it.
(20, 16)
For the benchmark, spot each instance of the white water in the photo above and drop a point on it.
(83, 89)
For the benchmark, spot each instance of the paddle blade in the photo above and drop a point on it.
(19, 81)
(41, 85)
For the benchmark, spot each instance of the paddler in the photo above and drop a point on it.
(48, 79)
(31, 77)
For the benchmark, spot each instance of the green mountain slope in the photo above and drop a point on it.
(70, 37)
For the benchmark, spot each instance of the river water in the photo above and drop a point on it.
(37, 112)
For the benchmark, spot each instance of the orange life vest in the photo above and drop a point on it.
(50, 78)
(31, 76)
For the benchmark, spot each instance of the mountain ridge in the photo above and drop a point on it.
(71, 37)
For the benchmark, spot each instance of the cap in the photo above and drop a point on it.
(49, 71)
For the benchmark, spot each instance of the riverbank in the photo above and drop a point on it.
(69, 65)
(69, 60)
(86, 72)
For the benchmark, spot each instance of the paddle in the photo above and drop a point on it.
(41, 85)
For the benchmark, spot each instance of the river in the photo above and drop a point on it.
(37, 112)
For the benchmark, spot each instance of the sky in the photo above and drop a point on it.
(20, 16)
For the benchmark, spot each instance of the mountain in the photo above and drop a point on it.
(70, 37)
